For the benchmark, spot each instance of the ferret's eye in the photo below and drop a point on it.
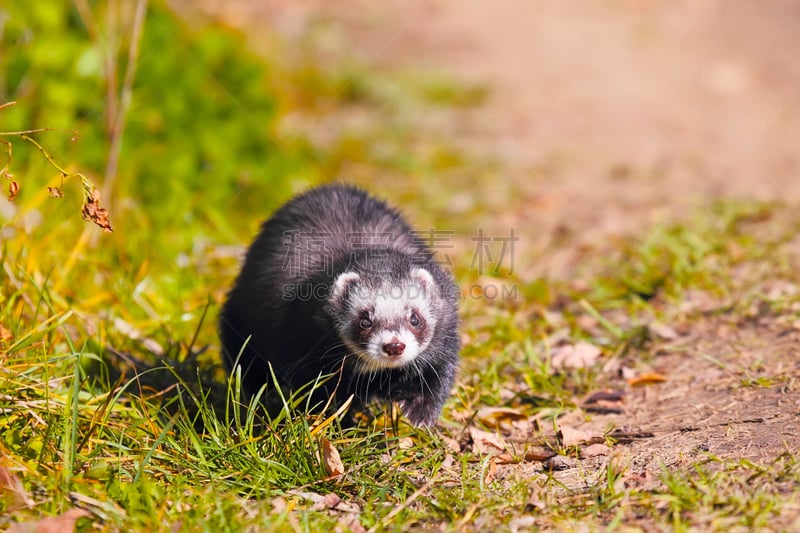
(414, 319)
(365, 322)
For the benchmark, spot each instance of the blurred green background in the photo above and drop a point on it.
(198, 167)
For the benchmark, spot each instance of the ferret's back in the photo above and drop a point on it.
(330, 223)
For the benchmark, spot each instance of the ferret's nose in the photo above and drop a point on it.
(394, 348)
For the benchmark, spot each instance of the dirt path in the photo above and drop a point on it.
(636, 110)
(639, 110)
(643, 105)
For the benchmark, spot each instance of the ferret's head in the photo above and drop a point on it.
(385, 321)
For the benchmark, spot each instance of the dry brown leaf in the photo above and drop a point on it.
(505, 459)
(348, 507)
(499, 416)
(580, 355)
(13, 190)
(605, 395)
(605, 401)
(484, 442)
(12, 491)
(320, 502)
(351, 523)
(647, 379)
(595, 450)
(568, 436)
(332, 501)
(539, 454)
(93, 210)
(53, 524)
(329, 501)
(330, 458)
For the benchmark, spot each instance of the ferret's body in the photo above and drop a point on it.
(337, 283)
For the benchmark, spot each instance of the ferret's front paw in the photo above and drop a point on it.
(421, 411)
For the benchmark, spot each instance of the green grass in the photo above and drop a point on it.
(163, 443)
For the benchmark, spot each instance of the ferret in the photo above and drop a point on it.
(337, 283)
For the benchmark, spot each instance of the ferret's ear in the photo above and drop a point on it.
(343, 283)
(424, 278)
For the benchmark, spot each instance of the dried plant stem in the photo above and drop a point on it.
(47, 156)
(121, 109)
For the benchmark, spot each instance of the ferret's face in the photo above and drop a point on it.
(387, 326)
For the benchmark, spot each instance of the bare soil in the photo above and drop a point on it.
(712, 402)
(638, 110)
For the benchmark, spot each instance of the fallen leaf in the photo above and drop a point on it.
(595, 450)
(484, 442)
(568, 436)
(605, 395)
(330, 459)
(351, 523)
(52, 524)
(505, 459)
(329, 501)
(580, 355)
(332, 500)
(604, 401)
(499, 416)
(647, 379)
(539, 454)
(11, 490)
(348, 507)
